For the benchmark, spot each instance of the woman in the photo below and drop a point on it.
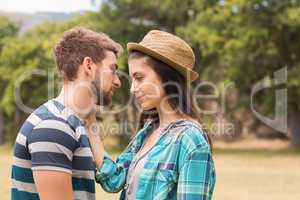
(170, 156)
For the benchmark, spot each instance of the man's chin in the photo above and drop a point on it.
(107, 101)
(146, 107)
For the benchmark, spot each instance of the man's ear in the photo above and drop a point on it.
(87, 66)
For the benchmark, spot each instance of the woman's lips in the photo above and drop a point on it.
(140, 98)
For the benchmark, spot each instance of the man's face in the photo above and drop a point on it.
(106, 79)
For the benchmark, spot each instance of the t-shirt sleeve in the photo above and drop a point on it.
(51, 145)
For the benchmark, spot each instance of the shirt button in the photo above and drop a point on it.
(129, 191)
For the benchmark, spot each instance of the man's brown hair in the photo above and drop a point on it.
(78, 43)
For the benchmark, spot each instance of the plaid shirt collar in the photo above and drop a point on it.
(137, 141)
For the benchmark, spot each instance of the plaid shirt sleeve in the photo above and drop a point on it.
(112, 174)
(196, 176)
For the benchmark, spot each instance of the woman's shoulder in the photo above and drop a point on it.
(190, 134)
(189, 139)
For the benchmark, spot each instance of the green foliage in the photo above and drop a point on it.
(249, 40)
(7, 29)
(240, 41)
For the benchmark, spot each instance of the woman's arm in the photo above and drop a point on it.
(95, 140)
(111, 175)
(196, 176)
(97, 148)
(195, 166)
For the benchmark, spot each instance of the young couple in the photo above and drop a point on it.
(58, 154)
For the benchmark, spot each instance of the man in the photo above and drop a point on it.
(52, 155)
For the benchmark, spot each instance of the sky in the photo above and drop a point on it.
(31, 6)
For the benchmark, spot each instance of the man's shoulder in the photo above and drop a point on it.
(45, 117)
(48, 110)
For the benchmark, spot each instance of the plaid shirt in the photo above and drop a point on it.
(179, 166)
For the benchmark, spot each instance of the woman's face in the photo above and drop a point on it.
(146, 84)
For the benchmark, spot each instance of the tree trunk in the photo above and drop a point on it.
(18, 119)
(2, 139)
(294, 127)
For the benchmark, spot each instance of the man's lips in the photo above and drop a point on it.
(112, 91)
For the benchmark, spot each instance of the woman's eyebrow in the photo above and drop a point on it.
(114, 66)
(136, 74)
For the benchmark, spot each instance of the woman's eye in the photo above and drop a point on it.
(139, 78)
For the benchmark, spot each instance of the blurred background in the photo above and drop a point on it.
(247, 54)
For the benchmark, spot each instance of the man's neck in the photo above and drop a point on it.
(75, 99)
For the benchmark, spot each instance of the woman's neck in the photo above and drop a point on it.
(167, 114)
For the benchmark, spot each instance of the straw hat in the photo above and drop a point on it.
(169, 49)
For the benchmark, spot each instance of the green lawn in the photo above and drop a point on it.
(241, 175)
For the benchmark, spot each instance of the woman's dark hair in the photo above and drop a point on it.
(176, 89)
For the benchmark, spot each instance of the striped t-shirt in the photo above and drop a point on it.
(52, 138)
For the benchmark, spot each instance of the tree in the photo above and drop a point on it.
(249, 40)
(7, 30)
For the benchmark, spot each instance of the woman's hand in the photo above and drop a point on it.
(97, 146)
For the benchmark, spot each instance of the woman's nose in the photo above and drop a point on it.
(132, 88)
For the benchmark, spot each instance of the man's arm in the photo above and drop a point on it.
(51, 145)
(53, 185)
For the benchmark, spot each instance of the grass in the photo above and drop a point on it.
(242, 174)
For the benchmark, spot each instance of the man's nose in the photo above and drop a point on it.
(117, 82)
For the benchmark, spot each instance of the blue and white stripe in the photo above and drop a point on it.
(52, 138)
